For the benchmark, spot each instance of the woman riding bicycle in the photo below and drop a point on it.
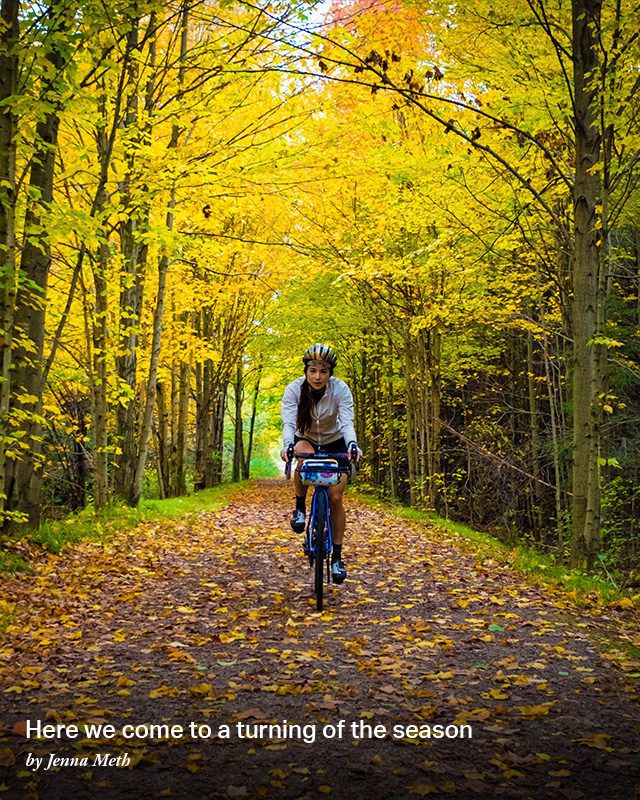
(317, 414)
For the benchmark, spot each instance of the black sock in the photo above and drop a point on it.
(336, 553)
(300, 504)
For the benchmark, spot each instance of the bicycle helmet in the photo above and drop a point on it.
(320, 355)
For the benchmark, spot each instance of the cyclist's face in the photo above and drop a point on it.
(318, 377)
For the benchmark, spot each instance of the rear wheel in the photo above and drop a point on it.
(319, 525)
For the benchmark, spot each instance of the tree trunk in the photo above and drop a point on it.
(8, 128)
(131, 290)
(162, 454)
(183, 422)
(24, 477)
(586, 378)
(534, 432)
(163, 266)
(390, 428)
(145, 428)
(434, 421)
(411, 423)
(238, 444)
(246, 468)
(99, 394)
(25, 474)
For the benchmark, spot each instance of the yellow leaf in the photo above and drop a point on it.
(201, 690)
(512, 773)
(324, 789)
(225, 638)
(376, 761)
(278, 773)
(599, 741)
(422, 789)
(536, 711)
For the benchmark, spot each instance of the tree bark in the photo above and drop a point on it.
(246, 469)
(183, 422)
(131, 291)
(8, 127)
(238, 444)
(586, 378)
(147, 420)
(100, 379)
(24, 475)
(162, 448)
(410, 422)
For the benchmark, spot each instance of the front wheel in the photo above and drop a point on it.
(319, 526)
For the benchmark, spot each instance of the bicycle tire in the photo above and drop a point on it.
(319, 526)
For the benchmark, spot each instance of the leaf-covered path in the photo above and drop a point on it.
(212, 621)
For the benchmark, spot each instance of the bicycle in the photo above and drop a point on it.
(320, 471)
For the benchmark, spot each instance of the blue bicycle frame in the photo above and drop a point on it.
(321, 470)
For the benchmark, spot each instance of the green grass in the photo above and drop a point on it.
(538, 567)
(264, 468)
(54, 535)
(10, 563)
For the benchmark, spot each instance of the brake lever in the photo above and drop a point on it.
(354, 466)
(287, 469)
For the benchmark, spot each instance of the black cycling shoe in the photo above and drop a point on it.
(338, 572)
(297, 521)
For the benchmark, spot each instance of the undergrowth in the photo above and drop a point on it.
(54, 535)
(539, 567)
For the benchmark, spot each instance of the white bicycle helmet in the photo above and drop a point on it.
(320, 355)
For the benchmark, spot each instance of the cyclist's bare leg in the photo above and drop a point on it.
(336, 510)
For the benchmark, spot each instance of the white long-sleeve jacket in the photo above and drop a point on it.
(331, 417)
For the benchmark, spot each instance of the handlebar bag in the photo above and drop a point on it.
(320, 472)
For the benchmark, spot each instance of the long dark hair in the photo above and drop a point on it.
(303, 419)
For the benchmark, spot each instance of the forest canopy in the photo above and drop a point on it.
(191, 193)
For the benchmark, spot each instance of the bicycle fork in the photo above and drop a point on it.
(311, 545)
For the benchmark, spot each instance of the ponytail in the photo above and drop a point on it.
(303, 419)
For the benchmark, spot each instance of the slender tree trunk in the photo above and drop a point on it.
(238, 444)
(131, 290)
(162, 439)
(8, 128)
(587, 377)
(183, 423)
(100, 380)
(174, 405)
(147, 420)
(534, 433)
(411, 423)
(246, 469)
(24, 477)
(434, 419)
(25, 474)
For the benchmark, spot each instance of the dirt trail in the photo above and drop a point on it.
(212, 621)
